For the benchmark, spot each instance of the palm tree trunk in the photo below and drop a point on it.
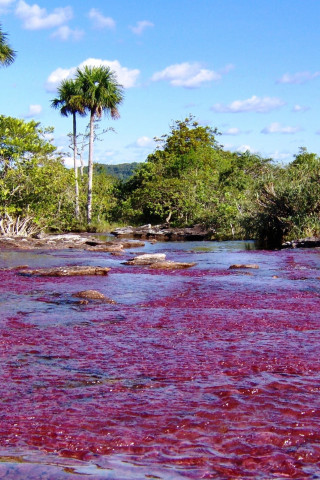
(77, 211)
(90, 168)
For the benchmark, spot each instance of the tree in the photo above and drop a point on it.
(69, 101)
(7, 54)
(100, 93)
(33, 180)
(288, 203)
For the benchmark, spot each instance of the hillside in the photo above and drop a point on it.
(121, 171)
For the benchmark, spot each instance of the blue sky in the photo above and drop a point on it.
(248, 67)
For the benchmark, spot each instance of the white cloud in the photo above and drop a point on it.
(189, 75)
(253, 104)
(125, 76)
(245, 148)
(145, 142)
(300, 108)
(228, 68)
(232, 131)
(141, 26)
(36, 18)
(67, 160)
(34, 110)
(65, 33)
(57, 76)
(298, 78)
(100, 21)
(239, 148)
(280, 156)
(278, 128)
(4, 4)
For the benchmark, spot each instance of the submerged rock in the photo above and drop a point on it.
(118, 248)
(245, 265)
(93, 295)
(158, 260)
(66, 271)
(169, 265)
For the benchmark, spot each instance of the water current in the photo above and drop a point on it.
(203, 373)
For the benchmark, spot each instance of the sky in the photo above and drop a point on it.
(249, 68)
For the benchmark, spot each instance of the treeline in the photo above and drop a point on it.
(121, 171)
(189, 179)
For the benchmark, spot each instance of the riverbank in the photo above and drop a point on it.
(127, 238)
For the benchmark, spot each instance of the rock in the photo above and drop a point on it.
(133, 244)
(158, 260)
(106, 248)
(246, 265)
(169, 265)
(48, 242)
(309, 242)
(66, 271)
(93, 295)
(165, 232)
(146, 259)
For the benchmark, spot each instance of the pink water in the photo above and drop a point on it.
(205, 373)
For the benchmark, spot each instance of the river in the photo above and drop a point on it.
(203, 373)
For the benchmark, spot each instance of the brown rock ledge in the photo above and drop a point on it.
(66, 271)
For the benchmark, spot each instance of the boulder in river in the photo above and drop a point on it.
(170, 265)
(147, 259)
(93, 295)
(66, 271)
(158, 260)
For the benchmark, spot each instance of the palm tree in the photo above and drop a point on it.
(7, 55)
(69, 101)
(100, 93)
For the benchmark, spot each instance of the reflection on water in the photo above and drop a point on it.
(200, 373)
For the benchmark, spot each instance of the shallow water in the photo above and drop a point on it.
(199, 373)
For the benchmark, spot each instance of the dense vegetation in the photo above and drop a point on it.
(121, 171)
(189, 179)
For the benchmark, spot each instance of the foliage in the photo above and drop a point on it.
(33, 180)
(121, 171)
(190, 179)
(288, 205)
(7, 54)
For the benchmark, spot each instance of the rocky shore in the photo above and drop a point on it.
(59, 242)
(165, 233)
(309, 242)
(127, 237)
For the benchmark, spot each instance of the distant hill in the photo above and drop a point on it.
(122, 171)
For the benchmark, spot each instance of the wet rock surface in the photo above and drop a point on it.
(309, 242)
(65, 271)
(146, 259)
(165, 233)
(170, 265)
(93, 295)
(158, 260)
(59, 242)
(243, 265)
